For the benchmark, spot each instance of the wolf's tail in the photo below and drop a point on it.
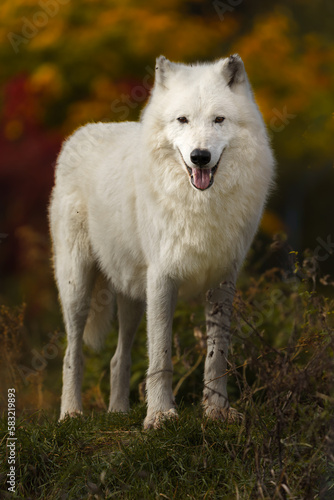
(101, 313)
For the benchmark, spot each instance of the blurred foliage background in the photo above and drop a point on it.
(64, 63)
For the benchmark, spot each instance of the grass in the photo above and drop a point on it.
(280, 377)
(110, 456)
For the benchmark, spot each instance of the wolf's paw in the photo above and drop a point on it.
(156, 420)
(69, 414)
(229, 415)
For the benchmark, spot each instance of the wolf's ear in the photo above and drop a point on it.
(233, 70)
(163, 68)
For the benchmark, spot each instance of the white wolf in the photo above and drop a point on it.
(141, 211)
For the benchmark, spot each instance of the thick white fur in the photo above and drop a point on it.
(127, 223)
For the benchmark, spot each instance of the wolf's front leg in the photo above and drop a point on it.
(218, 319)
(161, 302)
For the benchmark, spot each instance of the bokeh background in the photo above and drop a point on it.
(64, 63)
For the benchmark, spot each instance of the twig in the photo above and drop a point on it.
(189, 372)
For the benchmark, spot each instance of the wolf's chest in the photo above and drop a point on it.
(197, 249)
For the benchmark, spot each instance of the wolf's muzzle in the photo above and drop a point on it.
(200, 157)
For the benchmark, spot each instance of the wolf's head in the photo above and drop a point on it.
(199, 113)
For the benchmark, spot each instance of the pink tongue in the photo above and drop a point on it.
(201, 177)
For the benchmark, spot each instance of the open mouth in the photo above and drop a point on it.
(202, 178)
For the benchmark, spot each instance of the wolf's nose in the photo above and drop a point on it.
(200, 157)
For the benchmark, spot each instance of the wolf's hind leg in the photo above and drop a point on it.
(130, 313)
(75, 274)
(75, 289)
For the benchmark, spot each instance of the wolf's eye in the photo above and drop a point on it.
(183, 119)
(219, 119)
